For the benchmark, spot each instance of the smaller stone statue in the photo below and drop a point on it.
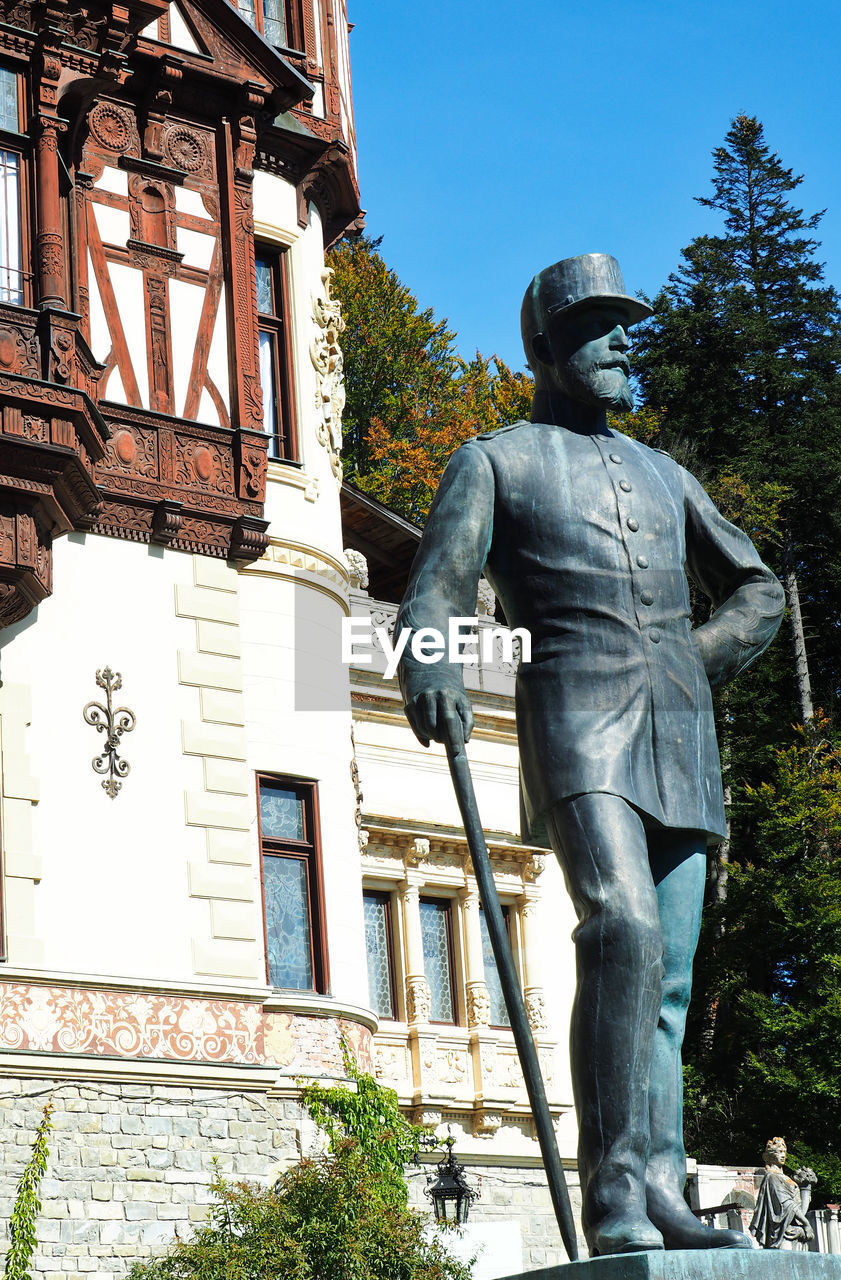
(779, 1221)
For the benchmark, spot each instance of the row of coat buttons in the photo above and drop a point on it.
(645, 596)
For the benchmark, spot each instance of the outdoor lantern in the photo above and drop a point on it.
(450, 1194)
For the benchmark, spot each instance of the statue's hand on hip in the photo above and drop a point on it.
(441, 715)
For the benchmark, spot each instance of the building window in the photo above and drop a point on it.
(292, 885)
(268, 17)
(12, 274)
(499, 1013)
(278, 21)
(380, 952)
(437, 936)
(275, 353)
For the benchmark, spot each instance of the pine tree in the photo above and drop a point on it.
(743, 357)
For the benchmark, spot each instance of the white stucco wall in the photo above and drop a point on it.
(113, 895)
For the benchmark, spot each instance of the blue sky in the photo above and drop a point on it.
(495, 139)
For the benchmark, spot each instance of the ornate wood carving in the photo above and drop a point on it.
(184, 484)
(238, 227)
(50, 436)
(49, 236)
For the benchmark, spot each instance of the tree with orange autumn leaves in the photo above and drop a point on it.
(411, 398)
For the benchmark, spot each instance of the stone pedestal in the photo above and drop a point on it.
(697, 1264)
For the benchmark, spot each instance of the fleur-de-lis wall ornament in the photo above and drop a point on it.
(113, 722)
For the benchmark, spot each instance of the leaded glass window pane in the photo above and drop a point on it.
(265, 292)
(281, 813)
(274, 21)
(247, 10)
(288, 923)
(499, 1013)
(437, 963)
(9, 118)
(376, 947)
(11, 276)
(268, 383)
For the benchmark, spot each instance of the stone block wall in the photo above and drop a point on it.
(514, 1194)
(130, 1165)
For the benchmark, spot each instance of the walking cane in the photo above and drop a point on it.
(463, 784)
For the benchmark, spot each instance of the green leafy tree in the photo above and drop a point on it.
(398, 359)
(27, 1207)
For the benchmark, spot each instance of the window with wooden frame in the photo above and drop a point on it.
(498, 1012)
(436, 920)
(275, 352)
(379, 949)
(15, 280)
(278, 21)
(293, 892)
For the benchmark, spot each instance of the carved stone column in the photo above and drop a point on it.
(423, 1041)
(533, 987)
(478, 1003)
(483, 1041)
(49, 237)
(418, 998)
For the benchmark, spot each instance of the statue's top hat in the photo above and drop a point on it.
(573, 283)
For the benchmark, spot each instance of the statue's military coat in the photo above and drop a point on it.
(587, 540)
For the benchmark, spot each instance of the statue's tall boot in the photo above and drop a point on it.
(601, 845)
(680, 877)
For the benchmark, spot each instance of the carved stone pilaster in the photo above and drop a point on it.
(424, 1046)
(536, 1009)
(418, 999)
(478, 1005)
(328, 362)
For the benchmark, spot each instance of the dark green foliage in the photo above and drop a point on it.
(771, 965)
(743, 357)
(325, 1220)
(740, 367)
(22, 1223)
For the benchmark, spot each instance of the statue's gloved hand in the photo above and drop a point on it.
(443, 715)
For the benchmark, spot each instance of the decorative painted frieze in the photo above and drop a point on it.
(170, 1028)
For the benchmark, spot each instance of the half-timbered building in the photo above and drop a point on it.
(223, 856)
(180, 895)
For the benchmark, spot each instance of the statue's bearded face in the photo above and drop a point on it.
(589, 357)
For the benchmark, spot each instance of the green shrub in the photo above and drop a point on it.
(324, 1220)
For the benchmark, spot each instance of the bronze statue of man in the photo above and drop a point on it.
(587, 538)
